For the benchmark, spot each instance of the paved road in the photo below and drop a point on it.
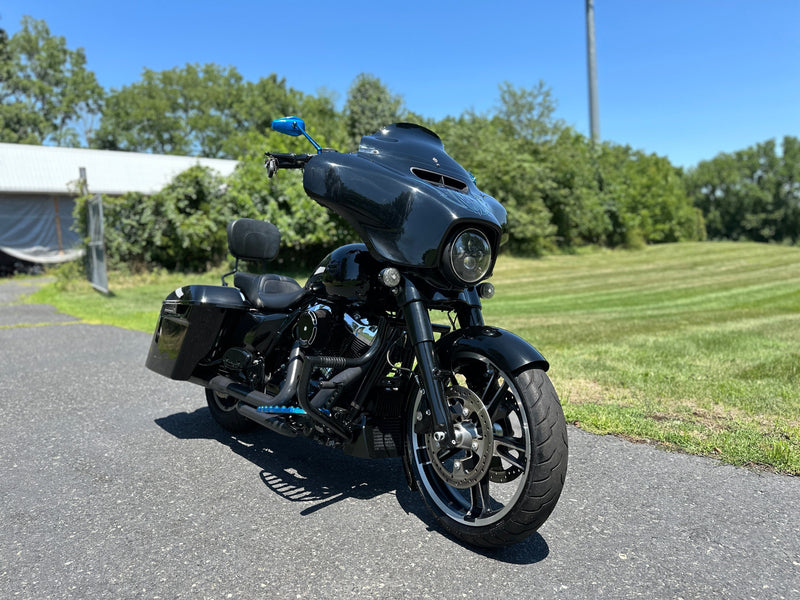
(115, 483)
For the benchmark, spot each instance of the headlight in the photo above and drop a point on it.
(470, 256)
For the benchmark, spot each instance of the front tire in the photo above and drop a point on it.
(521, 463)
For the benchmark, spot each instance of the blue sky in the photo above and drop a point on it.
(683, 79)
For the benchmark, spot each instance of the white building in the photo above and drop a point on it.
(38, 185)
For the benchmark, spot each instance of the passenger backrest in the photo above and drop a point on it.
(249, 239)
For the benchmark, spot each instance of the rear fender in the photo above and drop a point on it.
(505, 349)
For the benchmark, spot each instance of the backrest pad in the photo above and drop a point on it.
(249, 239)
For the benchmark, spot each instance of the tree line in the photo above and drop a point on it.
(561, 190)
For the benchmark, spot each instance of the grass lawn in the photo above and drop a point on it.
(134, 302)
(692, 346)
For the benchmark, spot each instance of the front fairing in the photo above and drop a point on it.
(403, 219)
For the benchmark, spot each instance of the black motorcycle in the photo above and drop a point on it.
(352, 359)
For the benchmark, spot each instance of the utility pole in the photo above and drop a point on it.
(594, 112)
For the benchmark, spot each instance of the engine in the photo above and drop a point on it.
(349, 336)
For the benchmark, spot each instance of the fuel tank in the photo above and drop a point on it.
(349, 273)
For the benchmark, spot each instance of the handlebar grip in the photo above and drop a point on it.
(281, 160)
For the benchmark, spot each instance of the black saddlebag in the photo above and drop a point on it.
(190, 328)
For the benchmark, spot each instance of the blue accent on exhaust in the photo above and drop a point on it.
(286, 410)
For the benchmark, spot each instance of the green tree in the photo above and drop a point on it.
(325, 123)
(184, 110)
(788, 190)
(571, 191)
(182, 227)
(645, 199)
(370, 105)
(751, 194)
(5, 56)
(559, 189)
(258, 105)
(516, 158)
(269, 99)
(45, 89)
(516, 179)
(194, 211)
(204, 110)
(308, 230)
(527, 115)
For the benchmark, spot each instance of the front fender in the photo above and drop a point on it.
(505, 349)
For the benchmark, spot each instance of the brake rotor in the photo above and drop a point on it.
(499, 474)
(464, 464)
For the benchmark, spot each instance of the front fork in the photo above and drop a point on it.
(420, 331)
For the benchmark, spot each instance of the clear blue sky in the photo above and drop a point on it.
(685, 79)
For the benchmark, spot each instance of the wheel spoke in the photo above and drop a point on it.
(443, 455)
(518, 462)
(494, 403)
(479, 500)
(512, 443)
(492, 378)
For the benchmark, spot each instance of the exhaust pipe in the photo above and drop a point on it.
(249, 398)
(244, 393)
(276, 424)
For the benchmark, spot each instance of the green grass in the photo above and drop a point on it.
(694, 346)
(134, 302)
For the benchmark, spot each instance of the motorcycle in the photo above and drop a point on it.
(352, 359)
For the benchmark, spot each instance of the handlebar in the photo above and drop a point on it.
(281, 160)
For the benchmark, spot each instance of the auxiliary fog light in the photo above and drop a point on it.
(486, 290)
(389, 277)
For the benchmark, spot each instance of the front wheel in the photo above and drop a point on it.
(502, 479)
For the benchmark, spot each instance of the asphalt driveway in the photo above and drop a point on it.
(115, 483)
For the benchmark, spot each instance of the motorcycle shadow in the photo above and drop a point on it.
(300, 470)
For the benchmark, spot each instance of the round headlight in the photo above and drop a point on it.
(470, 256)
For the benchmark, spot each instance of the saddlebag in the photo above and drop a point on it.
(192, 322)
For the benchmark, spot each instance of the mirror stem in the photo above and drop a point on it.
(308, 137)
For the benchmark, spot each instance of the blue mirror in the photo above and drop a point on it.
(294, 126)
(289, 125)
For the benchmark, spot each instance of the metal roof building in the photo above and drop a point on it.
(38, 185)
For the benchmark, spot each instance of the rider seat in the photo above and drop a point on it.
(274, 292)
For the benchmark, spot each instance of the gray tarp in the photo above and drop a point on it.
(38, 228)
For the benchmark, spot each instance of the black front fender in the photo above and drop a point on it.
(505, 349)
